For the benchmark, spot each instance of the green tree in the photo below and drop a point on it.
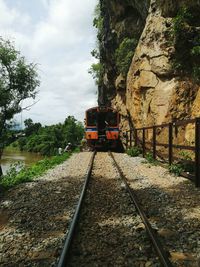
(31, 127)
(18, 81)
(46, 140)
(97, 69)
(73, 131)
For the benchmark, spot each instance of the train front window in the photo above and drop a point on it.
(92, 118)
(111, 118)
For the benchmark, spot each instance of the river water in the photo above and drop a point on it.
(10, 157)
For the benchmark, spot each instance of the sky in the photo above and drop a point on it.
(57, 35)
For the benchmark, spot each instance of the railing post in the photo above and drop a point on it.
(197, 152)
(154, 142)
(143, 142)
(170, 143)
(136, 137)
(126, 139)
(130, 138)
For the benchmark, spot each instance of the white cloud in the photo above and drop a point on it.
(60, 41)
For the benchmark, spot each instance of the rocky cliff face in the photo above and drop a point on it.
(122, 19)
(155, 90)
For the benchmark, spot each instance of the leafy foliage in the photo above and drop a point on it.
(21, 174)
(96, 70)
(18, 81)
(187, 43)
(177, 169)
(31, 127)
(124, 54)
(98, 22)
(183, 17)
(186, 163)
(150, 159)
(134, 151)
(46, 140)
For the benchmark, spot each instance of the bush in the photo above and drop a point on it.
(186, 163)
(22, 143)
(182, 17)
(187, 43)
(96, 70)
(134, 151)
(150, 159)
(177, 169)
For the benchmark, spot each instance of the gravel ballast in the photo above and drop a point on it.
(110, 231)
(35, 216)
(172, 205)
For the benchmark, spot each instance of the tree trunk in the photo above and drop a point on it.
(1, 171)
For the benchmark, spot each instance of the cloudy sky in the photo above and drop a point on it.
(58, 35)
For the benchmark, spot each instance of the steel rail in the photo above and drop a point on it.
(162, 254)
(69, 238)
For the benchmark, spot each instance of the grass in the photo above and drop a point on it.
(150, 159)
(176, 169)
(134, 151)
(18, 173)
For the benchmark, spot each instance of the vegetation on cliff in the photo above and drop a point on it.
(97, 69)
(124, 54)
(187, 43)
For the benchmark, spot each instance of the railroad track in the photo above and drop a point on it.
(107, 230)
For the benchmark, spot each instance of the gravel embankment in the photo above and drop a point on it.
(172, 204)
(34, 216)
(110, 232)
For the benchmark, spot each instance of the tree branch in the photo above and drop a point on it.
(28, 107)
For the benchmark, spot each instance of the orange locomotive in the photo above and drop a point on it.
(102, 128)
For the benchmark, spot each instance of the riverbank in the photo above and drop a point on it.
(26, 174)
(11, 155)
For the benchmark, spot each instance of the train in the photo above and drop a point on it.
(102, 128)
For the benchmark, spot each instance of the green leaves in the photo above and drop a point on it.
(181, 20)
(187, 43)
(18, 81)
(96, 70)
(124, 54)
(134, 151)
(8, 54)
(195, 51)
(176, 169)
(46, 140)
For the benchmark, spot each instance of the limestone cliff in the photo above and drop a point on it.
(122, 19)
(155, 90)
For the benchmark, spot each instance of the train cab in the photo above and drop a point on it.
(102, 127)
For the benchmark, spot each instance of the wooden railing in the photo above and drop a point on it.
(137, 137)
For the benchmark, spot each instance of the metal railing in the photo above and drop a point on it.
(137, 137)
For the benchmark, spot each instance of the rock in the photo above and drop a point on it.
(120, 83)
(177, 256)
(166, 232)
(148, 264)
